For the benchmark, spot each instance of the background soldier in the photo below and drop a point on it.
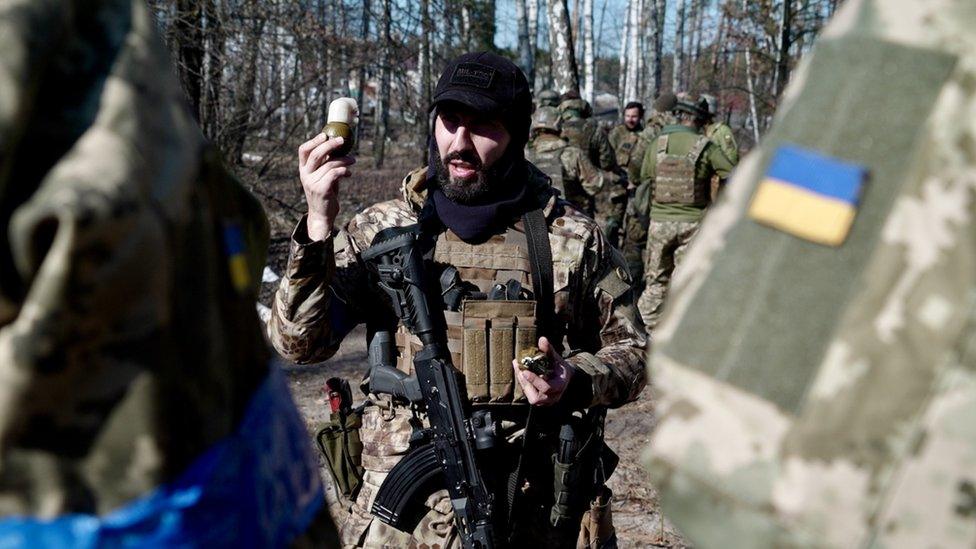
(139, 407)
(677, 171)
(607, 202)
(721, 134)
(546, 108)
(624, 137)
(638, 208)
(479, 190)
(545, 145)
(832, 399)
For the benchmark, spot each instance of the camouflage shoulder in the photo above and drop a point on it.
(413, 188)
(541, 185)
(366, 224)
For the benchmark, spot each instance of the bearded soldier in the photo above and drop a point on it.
(480, 205)
(677, 171)
(625, 136)
(140, 406)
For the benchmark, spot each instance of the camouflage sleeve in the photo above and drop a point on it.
(600, 145)
(636, 159)
(720, 163)
(610, 321)
(648, 169)
(311, 312)
(725, 139)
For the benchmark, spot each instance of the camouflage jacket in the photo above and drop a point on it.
(655, 123)
(544, 153)
(129, 340)
(325, 292)
(833, 400)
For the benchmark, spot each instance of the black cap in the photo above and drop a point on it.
(488, 83)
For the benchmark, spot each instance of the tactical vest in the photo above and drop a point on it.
(625, 148)
(676, 182)
(485, 335)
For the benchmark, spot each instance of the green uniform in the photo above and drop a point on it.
(824, 395)
(676, 209)
(721, 134)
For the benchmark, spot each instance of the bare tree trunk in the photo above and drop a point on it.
(240, 120)
(589, 64)
(749, 83)
(210, 115)
(361, 88)
(564, 72)
(633, 52)
(383, 93)
(652, 52)
(694, 16)
(526, 58)
(661, 7)
(188, 30)
(679, 46)
(424, 66)
(783, 59)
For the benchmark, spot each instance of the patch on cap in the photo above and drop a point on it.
(473, 74)
(809, 195)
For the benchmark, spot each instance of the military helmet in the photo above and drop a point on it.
(690, 103)
(666, 102)
(548, 98)
(546, 118)
(575, 108)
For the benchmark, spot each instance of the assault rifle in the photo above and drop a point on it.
(442, 456)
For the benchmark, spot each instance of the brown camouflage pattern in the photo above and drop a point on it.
(544, 152)
(877, 448)
(324, 292)
(623, 140)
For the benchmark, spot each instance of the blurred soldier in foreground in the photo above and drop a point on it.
(137, 403)
(676, 175)
(545, 146)
(638, 209)
(607, 201)
(833, 402)
(511, 262)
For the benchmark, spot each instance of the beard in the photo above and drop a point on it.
(473, 190)
(470, 191)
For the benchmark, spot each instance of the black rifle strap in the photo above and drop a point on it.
(540, 258)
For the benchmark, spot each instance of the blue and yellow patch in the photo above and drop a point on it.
(809, 195)
(235, 251)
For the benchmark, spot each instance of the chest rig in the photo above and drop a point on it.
(626, 148)
(676, 182)
(490, 312)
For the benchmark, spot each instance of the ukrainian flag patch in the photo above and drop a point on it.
(809, 195)
(235, 251)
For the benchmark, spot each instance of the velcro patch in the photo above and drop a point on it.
(473, 74)
(809, 195)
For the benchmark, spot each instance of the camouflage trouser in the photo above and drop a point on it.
(666, 244)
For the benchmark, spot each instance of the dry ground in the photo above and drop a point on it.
(635, 510)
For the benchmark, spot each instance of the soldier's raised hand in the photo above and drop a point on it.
(320, 174)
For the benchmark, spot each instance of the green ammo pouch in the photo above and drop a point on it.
(343, 450)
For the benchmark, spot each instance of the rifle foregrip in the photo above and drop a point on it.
(407, 487)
